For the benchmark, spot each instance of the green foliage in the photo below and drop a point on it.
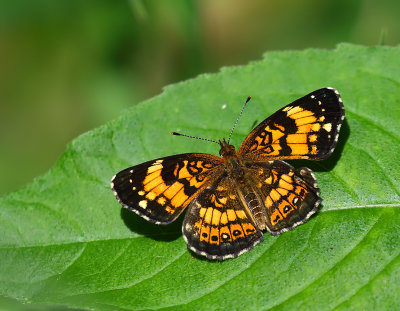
(64, 239)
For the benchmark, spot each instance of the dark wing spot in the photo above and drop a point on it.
(224, 236)
(269, 149)
(286, 209)
(236, 232)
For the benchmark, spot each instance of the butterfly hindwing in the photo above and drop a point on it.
(308, 128)
(217, 225)
(159, 190)
(290, 195)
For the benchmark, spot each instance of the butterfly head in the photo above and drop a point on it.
(226, 149)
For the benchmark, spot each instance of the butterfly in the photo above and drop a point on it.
(233, 198)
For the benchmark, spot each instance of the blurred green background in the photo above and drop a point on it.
(67, 66)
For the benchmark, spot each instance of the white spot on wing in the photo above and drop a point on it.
(327, 127)
(143, 204)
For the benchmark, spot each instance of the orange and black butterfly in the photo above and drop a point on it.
(233, 198)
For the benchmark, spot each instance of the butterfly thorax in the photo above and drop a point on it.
(232, 162)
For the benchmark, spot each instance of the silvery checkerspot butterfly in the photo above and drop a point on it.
(233, 198)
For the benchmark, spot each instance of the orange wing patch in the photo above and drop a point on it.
(217, 225)
(290, 196)
(308, 128)
(160, 190)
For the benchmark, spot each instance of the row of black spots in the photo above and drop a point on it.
(226, 237)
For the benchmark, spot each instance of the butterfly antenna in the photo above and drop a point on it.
(237, 120)
(194, 137)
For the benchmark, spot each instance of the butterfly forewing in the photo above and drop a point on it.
(308, 128)
(217, 225)
(159, 190)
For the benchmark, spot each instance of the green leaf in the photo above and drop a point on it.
(65, 240)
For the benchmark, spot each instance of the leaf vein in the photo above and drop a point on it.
(335, 265)
(370, 280)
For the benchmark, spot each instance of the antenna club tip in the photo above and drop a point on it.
(175, 133)
(248, 98)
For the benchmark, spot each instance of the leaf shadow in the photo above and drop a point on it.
(328, 164)
(167, 233)
(141, 226)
